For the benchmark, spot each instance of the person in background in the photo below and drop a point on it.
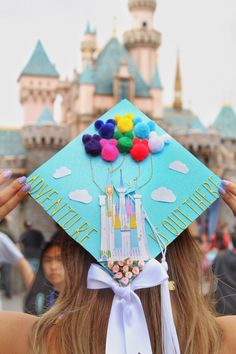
(224, 268)
(49, 279)
(31, 243)
(6, 269)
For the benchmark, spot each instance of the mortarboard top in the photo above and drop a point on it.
(132, 206)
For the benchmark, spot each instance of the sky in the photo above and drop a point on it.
(204, 31)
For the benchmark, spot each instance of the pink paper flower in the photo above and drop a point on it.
(115, 268)
(121, 263)
(110, 264)
(125, 281)
(128, 275)
(125, 269)
(129, 262)
(140, 264)
(135, 270)
(118, 275)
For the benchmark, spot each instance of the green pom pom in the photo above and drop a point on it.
(129, 134)
(124, 144)
(117, 135)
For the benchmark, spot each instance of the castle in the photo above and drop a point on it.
(121, 70)
(123, 233)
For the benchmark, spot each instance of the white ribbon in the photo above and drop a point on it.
(127, 328)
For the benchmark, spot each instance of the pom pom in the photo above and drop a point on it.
(129, 116)
(129, 134)
(139, 150)
(166, 138)
(107, 131)
(93, 147)
(98, 124)
(112, 121)
(141, 130)
(156, 144)
(117, 118)
(109, 152)
(137, 120)
(117, 135)
(125, 125)
(86, 138)
(96, 137)
(151, 125)
(125, 144)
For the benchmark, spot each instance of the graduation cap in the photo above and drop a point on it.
(124, 189)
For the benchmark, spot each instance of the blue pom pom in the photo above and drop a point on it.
(151, 125)
(137, 120)
(107, 131)
(112, 121)
(98, 124)
(142, 130)
(96, 137)
(93, 148)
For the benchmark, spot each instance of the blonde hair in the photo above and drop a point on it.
(77, 324)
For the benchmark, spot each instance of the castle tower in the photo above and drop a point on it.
(178, 105)
(38, 84)
(156, 93)
(142, 41)
(88, 47)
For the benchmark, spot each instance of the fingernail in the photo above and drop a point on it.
(22, 180)
(225, 183)
(7, 174)
(221, 191)
(26, 188)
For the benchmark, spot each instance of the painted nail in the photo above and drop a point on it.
(225, 183)
(26, 188)
(221, 191)
(22, 180)
(7, 174)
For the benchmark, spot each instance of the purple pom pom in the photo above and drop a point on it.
(86, 138)
(93, 148)
(107, 131)
(98, 124)
(96, 137)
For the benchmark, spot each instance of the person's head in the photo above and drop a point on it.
(27, 224)
(82, 314)
(52, 266)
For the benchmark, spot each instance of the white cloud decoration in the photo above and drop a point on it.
(81, 195)
(61, 172)
(163, 194)
(179, 167)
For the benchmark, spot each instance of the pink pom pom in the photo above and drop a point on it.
(109, 152)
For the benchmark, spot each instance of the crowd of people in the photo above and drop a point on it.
(73, 319)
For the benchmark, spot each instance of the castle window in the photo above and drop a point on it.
(123, 89)
(144, 24)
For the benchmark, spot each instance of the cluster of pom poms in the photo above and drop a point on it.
(124, 134)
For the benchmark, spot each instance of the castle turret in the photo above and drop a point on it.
(88, 47)
(178, 105)
(142, 41)
(156, 93)
(38, 84)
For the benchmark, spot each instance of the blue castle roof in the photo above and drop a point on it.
(108, 64)
(39, 64)
(156, 81)
(225, 122)
(46, 118)
(11, 142)
(87, 76)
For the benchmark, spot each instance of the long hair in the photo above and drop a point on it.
(77, 324)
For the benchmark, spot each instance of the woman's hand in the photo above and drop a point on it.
(12, 194)
(228, 194)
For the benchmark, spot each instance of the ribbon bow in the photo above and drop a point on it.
(127, 328)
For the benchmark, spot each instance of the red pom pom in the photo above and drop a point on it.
(140, 150)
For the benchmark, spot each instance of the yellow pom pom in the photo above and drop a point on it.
(117, 118)
(129, 116)
(125, 125)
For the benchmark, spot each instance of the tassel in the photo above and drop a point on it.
(170, 343)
